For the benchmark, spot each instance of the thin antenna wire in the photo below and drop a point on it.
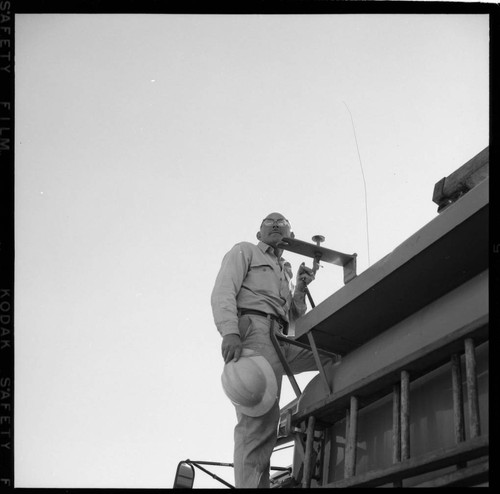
(364, 183)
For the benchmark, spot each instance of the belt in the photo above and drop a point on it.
(278, 319)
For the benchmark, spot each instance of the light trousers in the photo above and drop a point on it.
(256, 437)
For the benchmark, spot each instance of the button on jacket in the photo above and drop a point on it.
(252, 277)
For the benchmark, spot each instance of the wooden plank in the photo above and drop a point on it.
(472, 394)
(328, 444)
(396, 428)
(352, 438)
(396, 423)
(458, 400)
(466, 477)
(442, 458)
(405, 415)
(347, 447)
(330, 408)
(308, 467)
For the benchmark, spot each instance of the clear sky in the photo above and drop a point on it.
(146, 147)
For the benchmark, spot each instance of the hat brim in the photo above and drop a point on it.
(271, 390)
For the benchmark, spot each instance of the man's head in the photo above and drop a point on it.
(273, 229)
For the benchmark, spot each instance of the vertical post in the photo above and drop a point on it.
(405, 415)
(396, 424)
(352, 439)
(396, 428)
(327, 455)
(347, 449)
(458, 402)
(458, 398)
(322, 453)
(306, 481)
(472, 396)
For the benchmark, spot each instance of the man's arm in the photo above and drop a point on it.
(227, 286)
(304, 276)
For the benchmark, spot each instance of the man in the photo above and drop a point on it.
(253, 295)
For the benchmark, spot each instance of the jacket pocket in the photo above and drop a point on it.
(261, 275)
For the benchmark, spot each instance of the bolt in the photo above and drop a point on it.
(318, 239)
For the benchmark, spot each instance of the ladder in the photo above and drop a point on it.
(396, 379)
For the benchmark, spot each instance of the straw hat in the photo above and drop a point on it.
(250, 384)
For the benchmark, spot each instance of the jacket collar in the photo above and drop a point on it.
(264, 248)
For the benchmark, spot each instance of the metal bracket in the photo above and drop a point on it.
(317, 252)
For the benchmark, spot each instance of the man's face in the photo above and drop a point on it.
(273, 229)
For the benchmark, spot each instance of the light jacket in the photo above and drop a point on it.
(252, 277)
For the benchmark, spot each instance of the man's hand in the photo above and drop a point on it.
(231, 347)
(304, 276)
